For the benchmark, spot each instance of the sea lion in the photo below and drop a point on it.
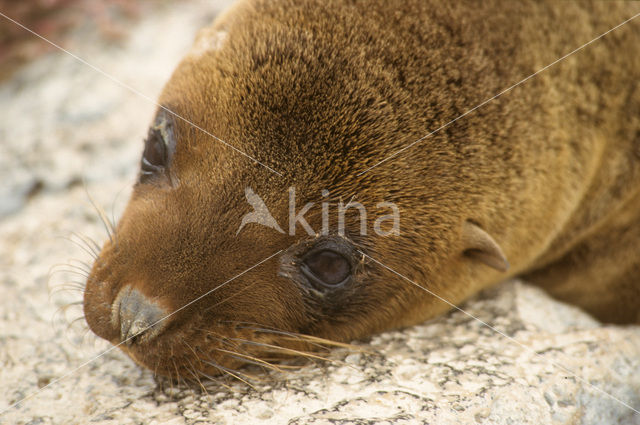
(301, 97)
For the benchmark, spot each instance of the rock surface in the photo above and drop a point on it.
(67, 132)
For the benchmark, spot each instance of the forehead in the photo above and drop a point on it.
(264, 93)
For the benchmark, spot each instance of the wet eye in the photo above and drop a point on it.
(327, 268)
(158, 148)
(154, 157)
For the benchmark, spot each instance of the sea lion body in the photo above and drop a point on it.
(545, 175)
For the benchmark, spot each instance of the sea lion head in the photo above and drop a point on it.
(209, 268)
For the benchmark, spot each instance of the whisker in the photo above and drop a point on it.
(72, 285)
(69, 286)
(79, 267)
(86, 332)
(66, 306)
(190, 348)
(314, 340)
(236, 343)
(89, 243)
(192, 371)
(224, 340)
(177, 372)
(237, 349)
(83, 247)
(250, 359)
(101, 214)
(193, 367)
(234, 373)
(322, 343)
(216, 380)
(239, 354)
(155, 371)
(71, 271)
(284, 349)
(84, 264)
(70, 324)
(251, 362)
(113, 209)
(62, 311)
(93, 242)
(210, 362)
(299, 337)
(77, 319)
(227, 370)
(170, 373)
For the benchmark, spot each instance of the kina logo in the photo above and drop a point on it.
(262, 215)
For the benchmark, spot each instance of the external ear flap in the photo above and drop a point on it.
(479, 245)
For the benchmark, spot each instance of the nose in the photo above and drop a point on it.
(139, 317)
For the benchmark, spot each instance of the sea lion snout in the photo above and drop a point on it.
(137, 317)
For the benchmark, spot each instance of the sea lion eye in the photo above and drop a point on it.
(154, 156)
(327, 268)
(158, 148)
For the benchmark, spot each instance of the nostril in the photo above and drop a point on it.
(138, 316)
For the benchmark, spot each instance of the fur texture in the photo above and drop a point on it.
(320, 91)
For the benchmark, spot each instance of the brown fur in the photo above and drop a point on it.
(321, 90)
